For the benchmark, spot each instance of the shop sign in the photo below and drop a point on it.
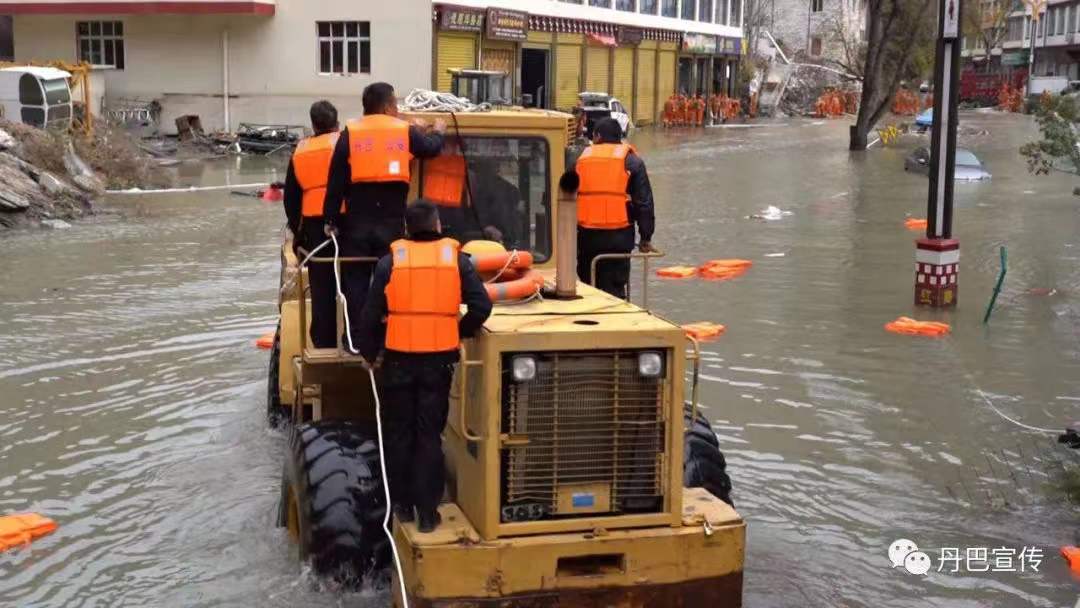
(1015, 59)
(461, 19)
(504, 24)
(631, 35)
(699, 43)
(729, 46)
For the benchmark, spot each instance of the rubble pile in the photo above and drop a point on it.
(50, 177)
(807, 85)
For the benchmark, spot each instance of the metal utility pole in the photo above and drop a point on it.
(1036, 7)
(937, 256)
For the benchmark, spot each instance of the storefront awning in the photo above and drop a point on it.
(603, 40)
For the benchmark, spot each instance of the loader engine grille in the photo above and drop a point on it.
(585, 436)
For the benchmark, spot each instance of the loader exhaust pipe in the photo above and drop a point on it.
(566, 229)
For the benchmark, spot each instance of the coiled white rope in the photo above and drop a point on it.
(509, 262)
(423, 100)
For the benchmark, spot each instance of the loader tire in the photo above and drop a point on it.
(333, 502)
(276, 413)
(704, 465)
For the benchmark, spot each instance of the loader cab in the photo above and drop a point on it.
(36, 96)
(482, 86)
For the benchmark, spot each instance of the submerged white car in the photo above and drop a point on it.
(968, 167)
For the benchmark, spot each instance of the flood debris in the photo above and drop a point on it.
(770, 214)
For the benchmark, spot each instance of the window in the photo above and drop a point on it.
(647, 7)
(1063, 16)
(722, 12)
(815, 46)
(600, 3)
(817, 5)
(736, 13)
(101, 42)
(689, 9)
(625, 5)
(344, 47)
(669, 8)
(705, 11)
(1039, 27)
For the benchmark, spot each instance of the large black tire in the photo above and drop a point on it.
(276, 413)
(333, 501)
(704, 465)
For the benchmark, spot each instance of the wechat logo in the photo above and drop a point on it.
(905, 553)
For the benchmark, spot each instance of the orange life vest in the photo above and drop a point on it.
(444, 178)
(423, 297)
(379, 149)
(602, 197)
(311, 164)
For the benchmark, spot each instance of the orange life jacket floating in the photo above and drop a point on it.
(1072, 557)
(723, 270)
(423, 297)
(914, 223)
(444, 178)
(20, 529)
(911, 327)
(704, 330)
(379, 149)
(677, 272)
(266, 341)
(602, 197)
(311, 164)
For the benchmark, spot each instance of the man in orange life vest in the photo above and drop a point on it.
(370, 170)
(419, 289)
(305, 191)
(615, 193)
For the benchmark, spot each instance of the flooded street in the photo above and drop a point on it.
(132, 398)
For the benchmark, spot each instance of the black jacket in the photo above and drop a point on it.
(372, 201)
(373, 329)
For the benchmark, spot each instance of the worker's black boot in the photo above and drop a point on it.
(404, 514)
(429, 520)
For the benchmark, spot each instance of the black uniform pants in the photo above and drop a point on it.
(612, 276)
(415, 397)
(363, 237)
(323, 292)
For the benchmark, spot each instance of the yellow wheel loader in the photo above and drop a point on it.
(579, 470)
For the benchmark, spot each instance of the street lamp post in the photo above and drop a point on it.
(1036, 7)
(937, 256)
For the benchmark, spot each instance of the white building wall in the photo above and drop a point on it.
(794, 24)
(273, 61)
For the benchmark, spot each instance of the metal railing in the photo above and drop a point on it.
(695, 356)
(463, 393)
(645, 257)
(303, 291)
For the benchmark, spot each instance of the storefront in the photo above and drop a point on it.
(457, 43)
(726, 65)
(696, 73)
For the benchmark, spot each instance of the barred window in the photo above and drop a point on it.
(669, 8)
(705, 11)
(689, 9)
(101, 42)
(344, 47)
(647, 7)
(625, 5)
(817, 6)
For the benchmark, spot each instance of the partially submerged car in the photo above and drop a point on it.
(968, 167)
(598, 106)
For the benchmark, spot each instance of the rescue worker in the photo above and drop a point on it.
(370, 171)
(614, 194)
(305, 191)
(419, 288)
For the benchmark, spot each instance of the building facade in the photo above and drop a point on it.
(813, 30)
(265, 61)
(1057, 41)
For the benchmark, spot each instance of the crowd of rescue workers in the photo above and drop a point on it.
(352, 185)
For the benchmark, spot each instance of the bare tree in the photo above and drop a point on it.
(987, 21)
(898, 34)
(756, 17)
(851, 57)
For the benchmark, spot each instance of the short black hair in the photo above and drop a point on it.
(377, 96)
(324, 118)
(608, 130)
(421, 216)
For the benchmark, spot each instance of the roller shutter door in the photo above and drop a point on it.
(455, 52)
(646, 86)
(666, 84)
(568, 78)
(596, 71)
(623, 87)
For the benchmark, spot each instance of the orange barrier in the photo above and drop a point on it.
(704, 330)
(911, 327)
(496, 261)
(1072, 557)
(518, 289)
(266, 341)
(677, 272)
(18, 530)
(915, 223)
(724, 269)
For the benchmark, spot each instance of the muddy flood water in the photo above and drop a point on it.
(132, 397)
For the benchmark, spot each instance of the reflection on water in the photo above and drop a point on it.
(132, 409)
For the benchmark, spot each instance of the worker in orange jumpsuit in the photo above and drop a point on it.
(669, 111)
(699, 111)
(370, 170)
(305, 191)
(419, 289)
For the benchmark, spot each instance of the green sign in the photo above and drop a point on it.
(1015, 59)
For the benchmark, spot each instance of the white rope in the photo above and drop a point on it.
(190, 189)
(991, 405)
(344, 302)
(509, 262)
(423, 100)
(386, 488)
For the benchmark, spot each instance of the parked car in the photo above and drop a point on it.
(968, 167)
(598, 106)
(926, 119)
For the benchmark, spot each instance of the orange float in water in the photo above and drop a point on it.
(911, 327)
(704, 330)
(265, 342)
(677, 272)
(723, 270)
(1072, 557)
(18, 530)
(914, 223)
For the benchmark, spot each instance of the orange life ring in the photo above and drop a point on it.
(519, 289)
(494, 262)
